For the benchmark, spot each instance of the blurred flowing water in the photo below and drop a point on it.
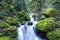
(27, 32)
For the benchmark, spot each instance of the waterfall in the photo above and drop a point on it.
(27, 32)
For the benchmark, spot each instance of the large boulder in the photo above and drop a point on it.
(46, 25)
(50, 12)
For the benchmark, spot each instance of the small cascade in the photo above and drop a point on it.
(27, 32)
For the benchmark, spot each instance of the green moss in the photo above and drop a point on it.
(54, 35)
(51, 12)
(5, 38)
(46, 25)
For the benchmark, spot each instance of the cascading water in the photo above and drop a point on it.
(27, 32)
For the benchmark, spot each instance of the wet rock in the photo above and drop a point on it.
(30, 23)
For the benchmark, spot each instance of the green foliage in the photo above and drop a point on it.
(56, 5)
(46, 25)
(35, 15)
(12, 32)
(11, 6)
(3, 14)
(9, 10)
(5, 38)
(19, 5)
(23, 17)
(12, 21)
(51, 12)
(4, 25)
(54, 35)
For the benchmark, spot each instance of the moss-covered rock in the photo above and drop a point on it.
(54, 35)
(46, 25)
(50, 12)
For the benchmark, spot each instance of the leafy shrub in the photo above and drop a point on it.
(12, 21)
(4, 25)
(13, 32)
(51, 12)
(22, 22)
(46, 25)
(54, 35)
(43, 17)
(5, 38)
(3, 15)
(11, 6)
(23, 17)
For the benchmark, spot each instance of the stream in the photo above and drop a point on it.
(28, 32)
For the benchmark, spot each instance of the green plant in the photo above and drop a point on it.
(23, 16)
(4, 25)
(43, 17)
(5, 38)
(12, 32)
(3, 14)
(12, 21)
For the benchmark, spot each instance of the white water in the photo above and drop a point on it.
(26, 32)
